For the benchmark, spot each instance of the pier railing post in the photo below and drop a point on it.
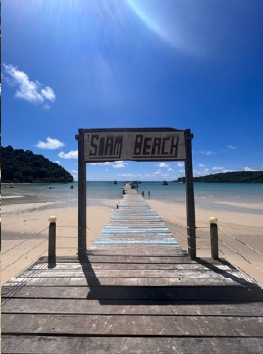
(82, 242)
(52, 239)
(190, 203)
(214, 237)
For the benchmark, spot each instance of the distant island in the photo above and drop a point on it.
(229, 177)
(19, 166)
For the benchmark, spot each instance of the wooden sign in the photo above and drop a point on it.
(134, 144)
(102, 145)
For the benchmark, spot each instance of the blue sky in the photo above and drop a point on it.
(70, 64)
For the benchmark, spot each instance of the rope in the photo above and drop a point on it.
(243, 243)
(29, 238)
(242, 270)
(207, 237)
(198, 227)
(24, 255)
(23, 283)
(75, 227)
(240, 255)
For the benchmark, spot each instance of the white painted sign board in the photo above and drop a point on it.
(140, 145)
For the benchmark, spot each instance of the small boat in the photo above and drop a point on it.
(164, 183)
(12, 187)
(71, 187)
(51, 188)
(115, 182)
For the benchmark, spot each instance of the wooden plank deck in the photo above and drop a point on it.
(137, 292)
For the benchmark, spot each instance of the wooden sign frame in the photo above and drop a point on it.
(153, 150)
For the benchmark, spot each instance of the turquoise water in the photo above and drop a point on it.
(206, 194)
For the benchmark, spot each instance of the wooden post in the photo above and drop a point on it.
(214, 240)
(82, 242)
(52, 239)
(190, 203)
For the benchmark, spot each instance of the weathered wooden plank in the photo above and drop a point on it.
(136, 259)
(187, 273)
(131, 345)
(143, 293)
(133, 325)
(134, 224)
(131, 307)
(128, 235)
(158, 281)
(103, 251)
(111, 242)
(129, 266)
(127, 259)
(164, 248)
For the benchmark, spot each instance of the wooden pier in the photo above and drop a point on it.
(136, 292)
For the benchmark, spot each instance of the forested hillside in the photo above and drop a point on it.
(230, 177)
(19, 166)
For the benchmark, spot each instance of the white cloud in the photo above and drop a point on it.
(208, 152)
(201, 165)
(217, 168)
(50, 144)
(180, 164)
(101, 163)
(48, 93)
(224, 171)
(231, 147)
(28, 90)
(58, 162)
(70, 155)
(162, 164)
(120, 164)
(200, 172)
(248, 169)
(156, 173)
(126, 175)
(74, 171)
(170, 169)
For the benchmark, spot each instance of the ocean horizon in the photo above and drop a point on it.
(207, 195)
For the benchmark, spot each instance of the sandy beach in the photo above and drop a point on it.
(25, 232)
(235, 229)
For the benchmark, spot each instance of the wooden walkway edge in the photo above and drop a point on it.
(136, 292)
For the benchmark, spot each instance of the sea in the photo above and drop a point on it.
(207, 195)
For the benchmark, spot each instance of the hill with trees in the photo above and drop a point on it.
(229, 177)
(19, 166)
